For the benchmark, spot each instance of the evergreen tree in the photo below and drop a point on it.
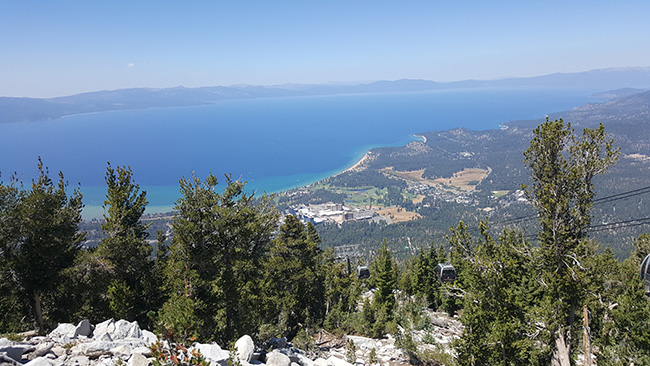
(294, 282)
(562, 192)
(48, 242)
(624, 336)
(130, 289)
(216, 256)
(424, 281)
(386, 280)
(378, 316)
(11, 305)
(641, 247)
(87, 285)
(499, 290)
(342, 290)
(158, 271)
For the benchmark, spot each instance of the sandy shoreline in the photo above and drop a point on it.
(358, 164)
(367, 157)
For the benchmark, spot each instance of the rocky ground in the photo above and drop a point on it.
(124, 343)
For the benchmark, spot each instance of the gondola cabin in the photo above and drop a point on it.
(363, 272)
(445, 272)
(645, 274)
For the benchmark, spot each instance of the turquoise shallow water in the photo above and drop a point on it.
(273, 143)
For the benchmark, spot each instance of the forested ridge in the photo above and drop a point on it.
(234, 266)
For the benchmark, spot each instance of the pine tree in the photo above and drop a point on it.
(158, 272)
(424, 280)
(378, 316)
(624, 336)
(562, 192)
(386, 280)
(48, 243)
(641, 247)
(11, 306)
(342, 290)
(216, 256)
(294, 282)
(126, 247)
(497, 296)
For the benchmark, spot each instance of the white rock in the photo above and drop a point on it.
(138, 359)
(120, 329)
(149, 337)
(322, 362)
(304, 360)
(38, 339)
(276, 358)
(213, 353)
(4, 342)
(107, 361)
(122, 349)
(78, 361)
(292, 353)
(64, 333)
(41, 350)
(122, 346)
(335, 361)
(104, 337)
(363, 342)
(145, 351)
(244, 348)
(126, 329)
(59, 351)
(93, 347)
(105, 327)
(40, 361)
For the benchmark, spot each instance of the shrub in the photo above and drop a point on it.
(351, 352)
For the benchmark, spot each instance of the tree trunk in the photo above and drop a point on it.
(561, 352)
(38, 313)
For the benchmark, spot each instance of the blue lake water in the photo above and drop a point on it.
(273, 143)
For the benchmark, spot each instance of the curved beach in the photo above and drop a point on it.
(359, 164)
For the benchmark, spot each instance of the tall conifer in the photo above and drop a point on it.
(48, 243)
(562, 168)
(126, 247)
(294, 281)
(215, 257)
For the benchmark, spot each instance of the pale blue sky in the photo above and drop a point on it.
(53, 48)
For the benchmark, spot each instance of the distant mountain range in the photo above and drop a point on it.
(35, 109)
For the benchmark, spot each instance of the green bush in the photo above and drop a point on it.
(435, 357)
(303, 341)
(351, 352)
(405, 342)
(177, 321)
(428, 338)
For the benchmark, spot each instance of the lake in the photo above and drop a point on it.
(273, 143)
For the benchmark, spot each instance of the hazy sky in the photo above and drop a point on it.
(53, 48)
